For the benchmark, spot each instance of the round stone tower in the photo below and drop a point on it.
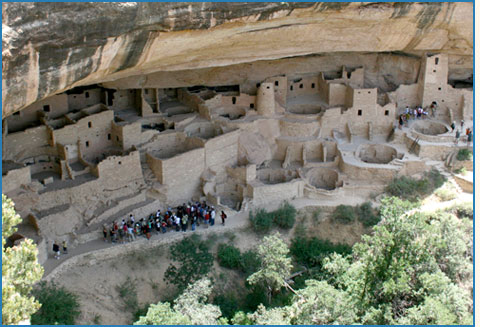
(266, 100)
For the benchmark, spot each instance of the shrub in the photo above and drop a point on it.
(464, 154)
(194, 261)
(59, 306)
(128, 293)
(262, 220)
(250, 262)
(228, 304)
(445, 194)
(462, 210)
(367, 215)
(412, 189)
(436, 178)
(344, 214)
(284, 216)
(462, 171)
(312, 251)
(316, 215)
(229, 256)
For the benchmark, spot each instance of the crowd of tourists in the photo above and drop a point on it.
(416, 113)
(184, 217)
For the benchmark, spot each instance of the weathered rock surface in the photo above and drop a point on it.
(51, 47)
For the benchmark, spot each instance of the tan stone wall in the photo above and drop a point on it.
(92, 133)
(280, 87)
(190, 100)
(466, 185)
(222, 151)
(116, 170)
(85, 99)
(336, 94)
(15, 178)
(368, 172)
(406, 95)
(58, 106)
(298, 128)
(306, 85)
(264, 194)
(182, 174)
(131, 134)
(21, 145)
(242, 100)
(126, 99)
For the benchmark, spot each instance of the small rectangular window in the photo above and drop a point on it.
(87, 144)
(146, 91)
(313, 85)
(386, 112)
(234, 100)
(439, 88)
(118, 139)
(46, 108)
(109, 136)
(436, 61)
(301, 86)
(87, 95)
(89, 124)
(291, 87)
(252, 105)
(360, 112)
(276, 83)
(258, 84)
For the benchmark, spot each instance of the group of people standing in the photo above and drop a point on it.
(179, 219)
(416, 113)
(459, 130)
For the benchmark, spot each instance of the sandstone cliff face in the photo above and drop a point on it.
(51, 47)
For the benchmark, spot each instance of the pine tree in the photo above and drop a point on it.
(20, 270)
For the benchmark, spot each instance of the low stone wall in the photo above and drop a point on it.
(465, 184)
(263, 194)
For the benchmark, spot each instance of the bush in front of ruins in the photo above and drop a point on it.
(344, 214)
(464, 154)
(262, 221)
(408, 188)
(229, 256)
(284, 217)
(367, 215)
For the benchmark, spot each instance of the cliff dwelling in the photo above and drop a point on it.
(161, 123)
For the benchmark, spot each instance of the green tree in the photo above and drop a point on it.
(59, 306)
(413, 269)
(163, 314)
(190, 308)
(275, 267)
(194, 262)
(20, 270)
(389, 280)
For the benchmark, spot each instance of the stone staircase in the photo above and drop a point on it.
(440, 166)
